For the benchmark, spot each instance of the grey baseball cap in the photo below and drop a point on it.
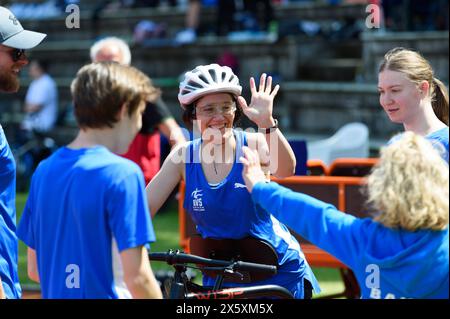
(13, 35)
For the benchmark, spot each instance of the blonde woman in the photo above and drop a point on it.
(403, 251)
(412, 96)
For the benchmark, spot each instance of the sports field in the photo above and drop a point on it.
(166, 227)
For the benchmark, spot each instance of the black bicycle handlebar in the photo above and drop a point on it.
(176, 257)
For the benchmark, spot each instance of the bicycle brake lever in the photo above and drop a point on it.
(232, 272)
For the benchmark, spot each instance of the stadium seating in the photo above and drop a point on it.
(351, 140)
(316, 167)
(351, 166)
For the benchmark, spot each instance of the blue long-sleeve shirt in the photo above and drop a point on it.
(388, 263)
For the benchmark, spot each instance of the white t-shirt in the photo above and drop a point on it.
(42, 91)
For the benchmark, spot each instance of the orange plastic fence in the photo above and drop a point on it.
(316, 167)
(356, 167)
(351, 166)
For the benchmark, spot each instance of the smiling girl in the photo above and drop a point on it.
(216, 196)
(412, 96)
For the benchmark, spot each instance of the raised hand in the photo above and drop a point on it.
(261, 105)
(252, 172)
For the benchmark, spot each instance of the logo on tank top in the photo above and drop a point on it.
(239, 185)
(197, 203)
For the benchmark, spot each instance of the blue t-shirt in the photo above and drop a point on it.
(438, 139)
(85, 207)
(8, 238)
(226, 211)
(388, 263)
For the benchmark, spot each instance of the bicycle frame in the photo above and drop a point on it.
(265, 291)
(182, 288)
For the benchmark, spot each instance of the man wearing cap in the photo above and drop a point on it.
(14, 40)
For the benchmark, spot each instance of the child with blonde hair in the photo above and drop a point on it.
(403, 251)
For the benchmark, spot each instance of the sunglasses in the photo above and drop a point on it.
(16, 54)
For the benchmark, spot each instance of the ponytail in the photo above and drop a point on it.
(440, 100)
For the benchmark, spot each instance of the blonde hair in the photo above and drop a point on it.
(418, 69)
(101, 89)
(409, 185)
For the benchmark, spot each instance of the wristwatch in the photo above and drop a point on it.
(270, 129)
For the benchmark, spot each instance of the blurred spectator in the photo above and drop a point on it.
(41, 112)
(145, 149)
(249, 15)
(144, 27)
(41, 101)
(262, 10)
(147, 30)
(415, 15)
(46, 9)
(227, 58)
(225, 17)
(154, 3)
(189, 34)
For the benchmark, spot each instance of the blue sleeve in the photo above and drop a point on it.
(439, 141)
(25, 230)
(129, 216)
(339, 234)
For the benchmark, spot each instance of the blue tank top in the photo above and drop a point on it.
(226, 210)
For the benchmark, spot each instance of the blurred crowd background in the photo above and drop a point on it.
(323, 53)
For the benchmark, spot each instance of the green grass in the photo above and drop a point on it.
(166, 227)
(165, 224)
(23, 277)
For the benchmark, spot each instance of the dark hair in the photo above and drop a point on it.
(101, 89)
(418, 69)
(42, 64)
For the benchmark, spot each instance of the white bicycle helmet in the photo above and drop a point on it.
(206, 79)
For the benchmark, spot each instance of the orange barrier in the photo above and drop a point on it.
(346, 194)
(351, 166)
(356, 167)
(343, 192)
(316, 167)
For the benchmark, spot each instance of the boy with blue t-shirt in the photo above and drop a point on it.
(86, 221)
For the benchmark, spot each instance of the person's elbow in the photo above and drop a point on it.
(284, 170)
(290, 168)
(143, 285)
(33, 274)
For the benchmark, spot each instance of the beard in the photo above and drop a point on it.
(9, 82)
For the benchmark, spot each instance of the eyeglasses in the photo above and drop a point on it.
(16, 54)
(211, 110)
